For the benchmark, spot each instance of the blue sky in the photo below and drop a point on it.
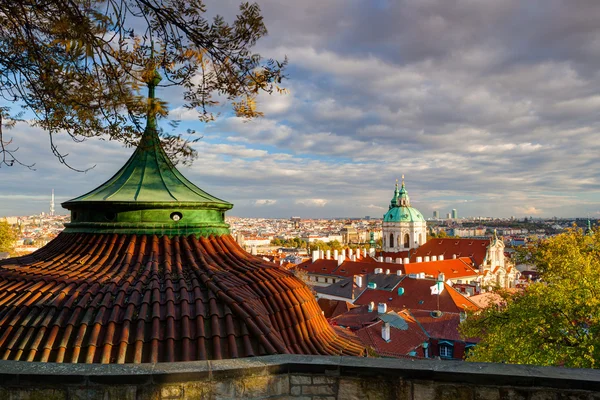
(489, 107)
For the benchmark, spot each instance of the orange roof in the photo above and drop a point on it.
(474, 248)
(452, 269)
(320, 266)
(417, 295)
(402, 341)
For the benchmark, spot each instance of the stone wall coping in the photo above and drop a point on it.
(33, 373)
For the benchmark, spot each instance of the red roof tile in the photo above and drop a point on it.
(417, 295)
(474, 248)
(402, 341)
(108, 298)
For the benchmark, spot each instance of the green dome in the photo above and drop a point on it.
(400, 209)
(403, 214)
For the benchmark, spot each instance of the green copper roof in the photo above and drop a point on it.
(146, 193)
(403, 214)
(400, 209)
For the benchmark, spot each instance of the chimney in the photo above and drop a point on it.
(385, 331)
(387, 271)
(378, 270)
(388, 259)
(353, 258)
(380, 259)
(441, 257)
(371, 306)
(343, 253)
(328, 254)
(357, 252)
(364, 252)
(321, 254)
(340, 260)
(335, 254)
(399, 260)
(433, 258)
(315, 256)
(454, 256)
(358, 279)
(399, 272)
(406, 260)
(382, 308)
(426, 258)
(419, 259)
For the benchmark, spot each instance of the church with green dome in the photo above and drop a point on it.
(404, 227)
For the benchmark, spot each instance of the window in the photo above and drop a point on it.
(406, 241)
(391, 240)
(446, 350)
(420, 239)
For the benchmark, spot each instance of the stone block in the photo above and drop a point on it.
(454, 392)
(543, 395)
(486, 393)
(513, 394)
(296, 390)
(323, 380)
(372, 389)
(423, 390)
(171, 392)
(300, 380)
(197, 390)
(318, 389)
(42, 394)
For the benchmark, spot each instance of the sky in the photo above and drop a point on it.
(490, 107)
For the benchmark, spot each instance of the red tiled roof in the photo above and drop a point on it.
(452, 269)
(109, 298)
(443, 327)
(333, 308)
(474, 248)
(401, 343)
(356, 318)
(417, 295)
(320, 266)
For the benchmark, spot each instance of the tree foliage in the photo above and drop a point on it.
(7, 237)
(553, 322)
(79, 65)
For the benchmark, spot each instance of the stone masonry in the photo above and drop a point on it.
(297, 378)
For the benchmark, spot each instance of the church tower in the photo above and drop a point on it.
(404, 227)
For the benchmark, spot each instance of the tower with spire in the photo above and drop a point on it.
(52, 204)
(404, 227)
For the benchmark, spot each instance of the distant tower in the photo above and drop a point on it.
(52, 204)
(588, 230)
(436, 215)
(454, 213)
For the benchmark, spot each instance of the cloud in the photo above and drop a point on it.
(265, 202)
(485, 106)
(312, 202)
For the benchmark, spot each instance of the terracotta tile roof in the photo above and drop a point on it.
(473, 248)
(452, 269)
(320, 266)
(417, 295)
(443, 327)
(356, 318)
(402, 340)
(333, 308)
(109, 298)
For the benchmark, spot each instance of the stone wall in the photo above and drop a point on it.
(296, 377)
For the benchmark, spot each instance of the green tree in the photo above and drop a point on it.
(78, 65)
(553, 322)
(7, 237)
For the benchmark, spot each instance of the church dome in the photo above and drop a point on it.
(147, 272)
(400, 209)
(403, 214)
